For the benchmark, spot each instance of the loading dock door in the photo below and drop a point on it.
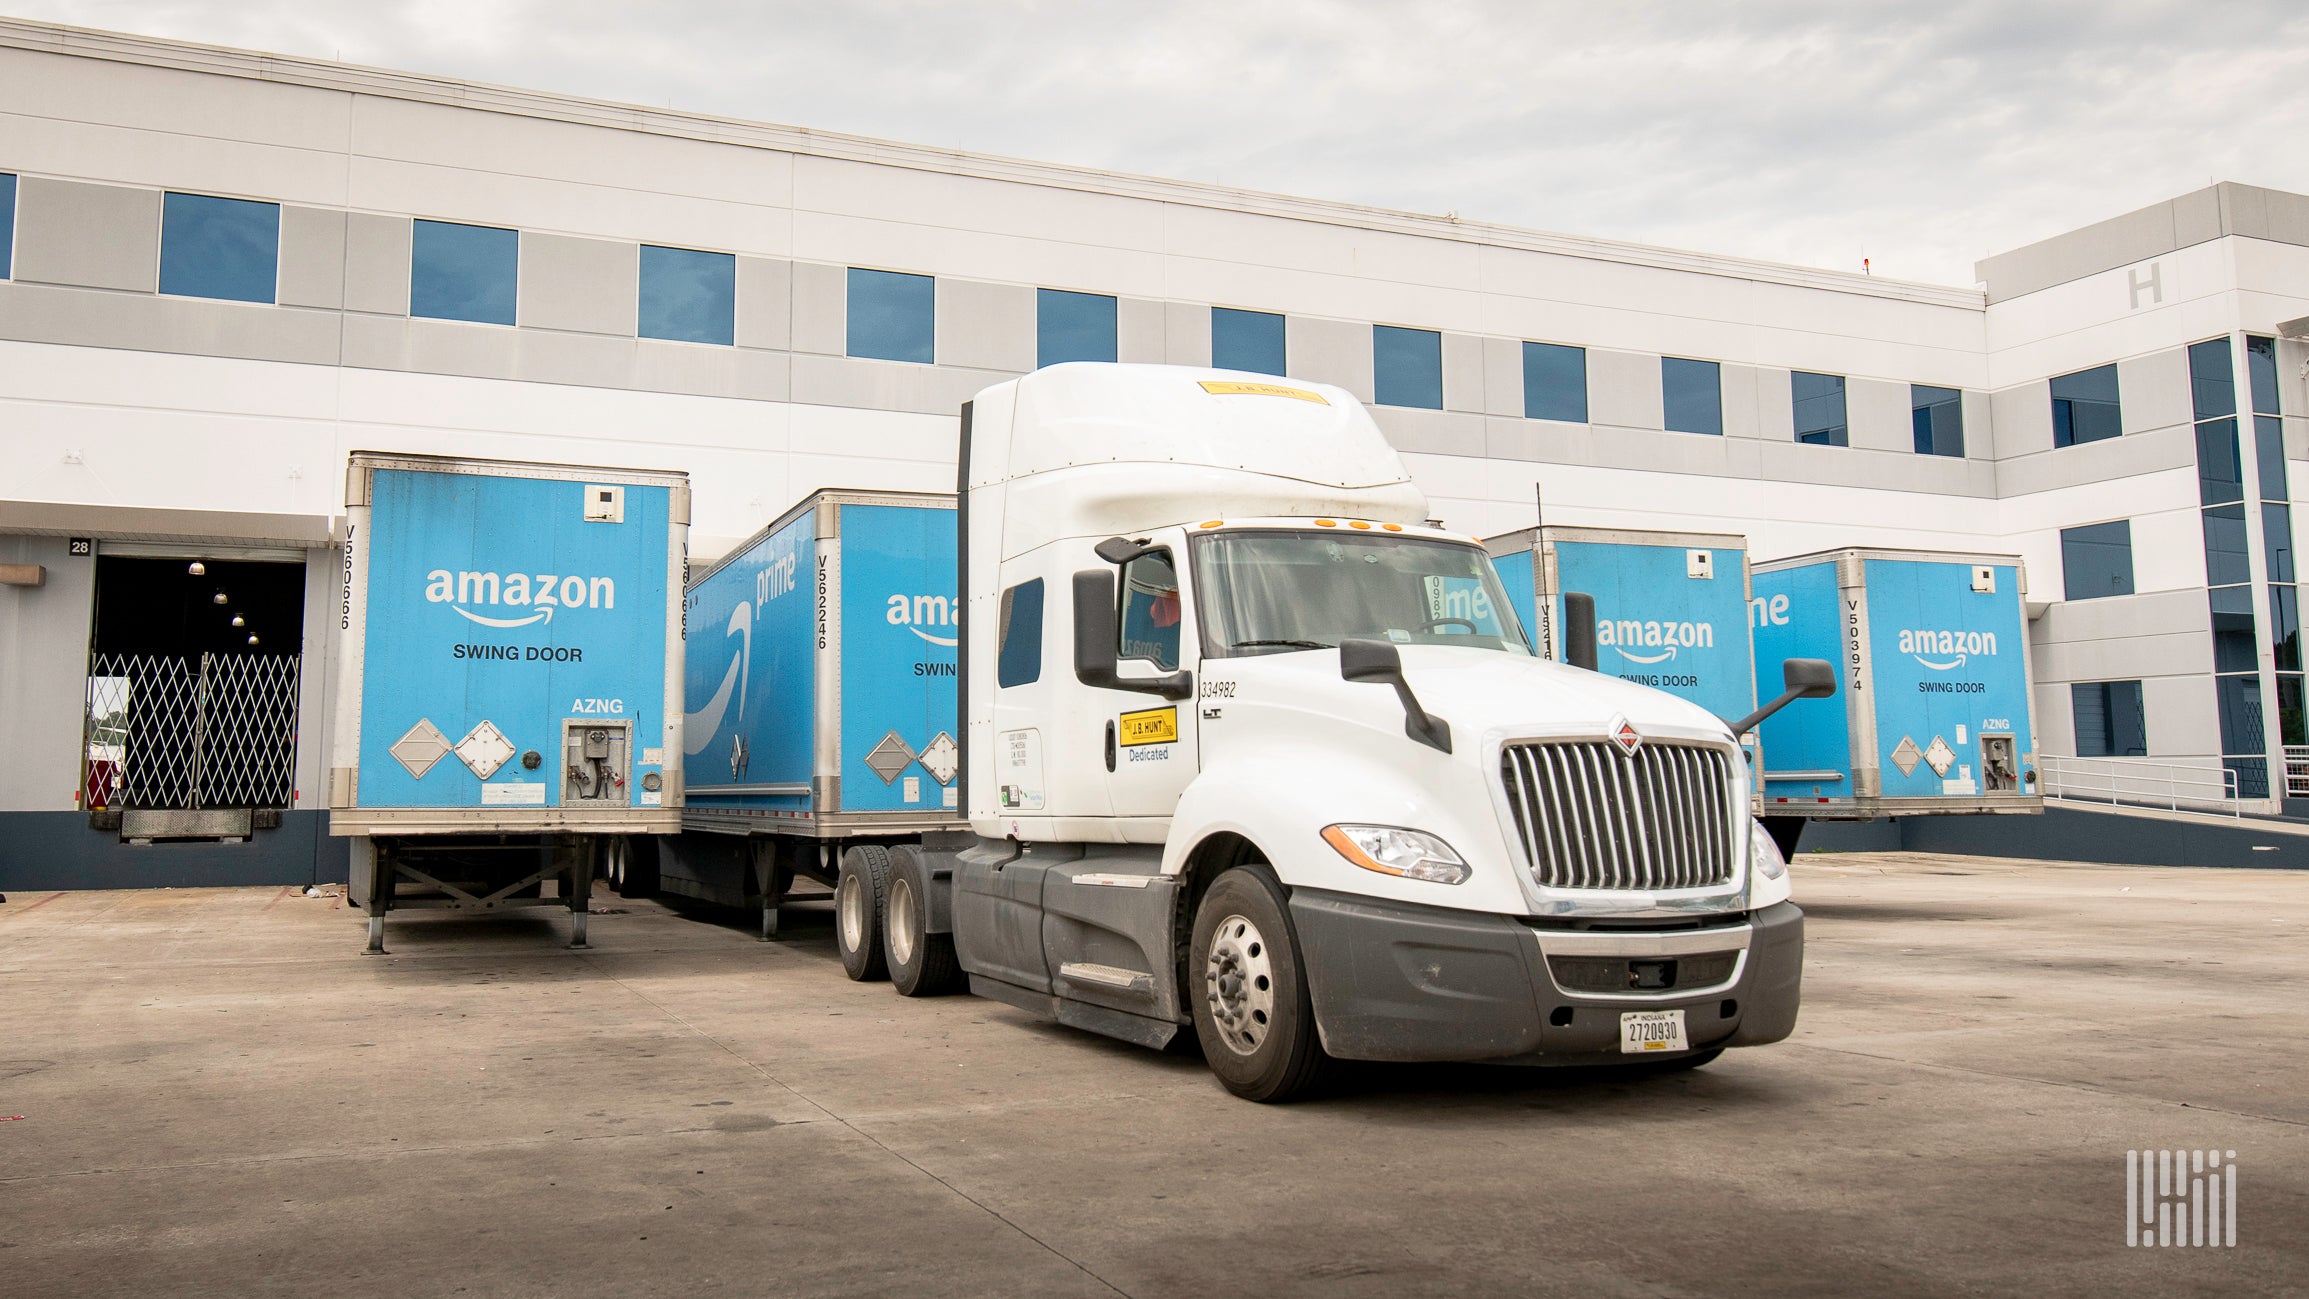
(192, 693)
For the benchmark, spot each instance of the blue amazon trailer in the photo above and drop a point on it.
(508, 679)
(821, 697)
(1935, 714)
(1671, 608)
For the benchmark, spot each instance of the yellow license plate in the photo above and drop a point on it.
(1154, 726)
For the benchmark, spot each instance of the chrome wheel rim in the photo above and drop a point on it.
(1239, 984)
(852, 906)
(903, 917)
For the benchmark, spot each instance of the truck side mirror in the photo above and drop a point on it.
(1804, 679)
(1579, 629)
(1094, 641)
(1380, 661)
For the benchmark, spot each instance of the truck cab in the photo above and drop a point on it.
(1253, 749)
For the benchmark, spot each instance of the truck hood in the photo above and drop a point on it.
(1479, 692)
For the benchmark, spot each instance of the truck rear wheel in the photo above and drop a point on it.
(922, 964)
(1252, 1010)
(860, 884)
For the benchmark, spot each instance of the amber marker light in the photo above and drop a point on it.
(1360, 526)
(1325, 523)
(1212, 523)
(1392, 527)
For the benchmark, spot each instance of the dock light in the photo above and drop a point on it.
(197, 569)
(252, 638)
(1391, 850)
(218, 598)
(239, 621)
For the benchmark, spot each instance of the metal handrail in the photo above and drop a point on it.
(2141, 783)
(2297, 771)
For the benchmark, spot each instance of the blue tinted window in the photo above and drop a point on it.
(226, 248)
(2285, 627)
(1820, 409)
(1692, 395)
(2277, 541)
(893, 316)
(2261, 372)
(2292, 716)
(1555, 382)
(1018, 635)
(2269, 449)
(1073, 327)
(7, 224)
(2212, 383)
(688, 296)
(460, 272)
(1938, 417)
(1407, 367)
(1247, 340)
(2234, 629)
(2097, 560)
(2110, 722)
(2225, 548)
(2085, 408)
(2219, 477)
(2252, 773)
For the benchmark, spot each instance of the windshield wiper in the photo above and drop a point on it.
(1292, 644)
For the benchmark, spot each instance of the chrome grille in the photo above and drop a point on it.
(1590, 817)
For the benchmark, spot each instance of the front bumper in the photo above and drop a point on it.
(1392, 981)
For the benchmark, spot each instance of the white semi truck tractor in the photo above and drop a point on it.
(1253, 749)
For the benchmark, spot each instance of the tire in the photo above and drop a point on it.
(859, 888)
(921, 964)
(638, 876)
(1252, 1010)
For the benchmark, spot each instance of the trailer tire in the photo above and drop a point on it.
(922, 964)
(1253, 1012)
(636, 873)
(860, 885)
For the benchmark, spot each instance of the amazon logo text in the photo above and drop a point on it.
(1947, 650)
(917, 612)
(539, 596)
(1642, 640)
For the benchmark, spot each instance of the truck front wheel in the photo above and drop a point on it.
(1251, 1005)
(860, 884)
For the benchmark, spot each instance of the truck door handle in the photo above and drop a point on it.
(1110, 744)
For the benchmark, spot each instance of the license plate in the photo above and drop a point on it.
(1644, 1031)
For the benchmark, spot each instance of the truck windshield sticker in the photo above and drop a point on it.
(1231, 388)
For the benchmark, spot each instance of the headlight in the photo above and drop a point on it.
(1769, 863)
(1411, 854)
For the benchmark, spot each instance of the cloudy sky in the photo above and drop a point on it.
(1921, 136)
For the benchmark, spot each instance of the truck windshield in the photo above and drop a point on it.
(1280, 591)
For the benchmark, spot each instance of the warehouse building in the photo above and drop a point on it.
(220, 272)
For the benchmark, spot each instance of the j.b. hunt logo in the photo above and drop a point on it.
(1644, 640)
(540, 594)
(1945, 651)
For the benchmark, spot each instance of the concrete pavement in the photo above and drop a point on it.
(222, 1096)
